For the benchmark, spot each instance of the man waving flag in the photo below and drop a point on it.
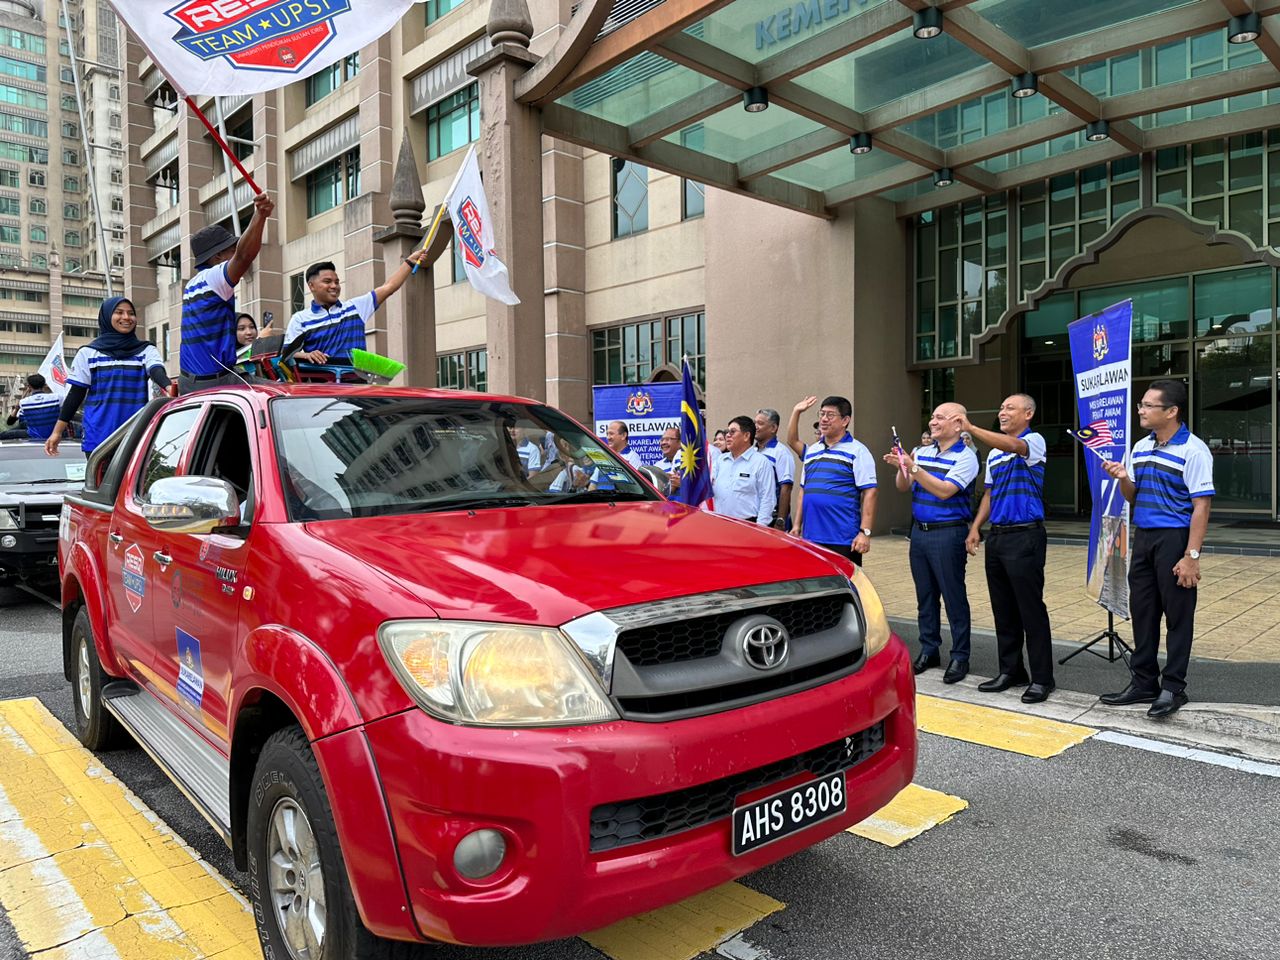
(695, 485)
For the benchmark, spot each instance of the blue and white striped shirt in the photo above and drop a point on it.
(1168, 477)
(39, 414)
(530, 457)
(958, 465)
(335, 330)
(117, 389)
(833, 480)
(1017, 483)
(208, 323)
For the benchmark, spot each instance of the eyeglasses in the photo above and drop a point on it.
(827, 415)
(1154, 406)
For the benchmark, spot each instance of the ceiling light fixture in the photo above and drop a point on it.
(755, 99)
(1097, 131)
(943, 177)
(1244, 29)
(1025, 85)
(927, 23)
(859, 144)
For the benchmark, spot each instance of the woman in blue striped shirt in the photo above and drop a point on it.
(109, 377)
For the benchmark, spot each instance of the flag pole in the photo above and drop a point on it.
(435, 226)
(217, 138)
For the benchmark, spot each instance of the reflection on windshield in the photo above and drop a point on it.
(28, 463)
(370, 456)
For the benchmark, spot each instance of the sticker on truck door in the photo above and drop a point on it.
(190, 671)
(134, 576)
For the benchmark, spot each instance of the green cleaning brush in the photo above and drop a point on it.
(379, 369)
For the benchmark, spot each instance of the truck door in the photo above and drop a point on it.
(199, 592)
(133, 552)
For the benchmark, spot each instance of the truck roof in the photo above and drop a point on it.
(269, 390)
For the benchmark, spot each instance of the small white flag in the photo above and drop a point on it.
(54, 368)
(236, 47)
(473, 233)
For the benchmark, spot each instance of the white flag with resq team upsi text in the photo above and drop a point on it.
(473, 233)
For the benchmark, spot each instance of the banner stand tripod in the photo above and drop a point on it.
(1113, 640)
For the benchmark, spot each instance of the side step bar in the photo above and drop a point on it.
(195, 767)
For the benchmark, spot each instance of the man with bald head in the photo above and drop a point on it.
(940, 478)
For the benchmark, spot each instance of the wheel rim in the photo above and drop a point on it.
(296, 880)
(83, 676)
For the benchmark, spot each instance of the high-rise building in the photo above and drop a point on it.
(52, 264)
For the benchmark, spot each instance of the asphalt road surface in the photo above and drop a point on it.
(1104, 851)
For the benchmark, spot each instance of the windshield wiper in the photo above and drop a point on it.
(29, 483)
(474, 503)
(602, 496)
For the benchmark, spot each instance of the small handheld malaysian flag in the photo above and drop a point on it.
(1095, 435)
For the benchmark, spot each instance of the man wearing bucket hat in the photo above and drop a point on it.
(208, 351)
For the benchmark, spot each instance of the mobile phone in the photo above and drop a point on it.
(267, 317)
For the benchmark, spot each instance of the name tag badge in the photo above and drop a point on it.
(744, 476)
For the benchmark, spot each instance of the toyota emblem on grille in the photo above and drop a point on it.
(764, 645)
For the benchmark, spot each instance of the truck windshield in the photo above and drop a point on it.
(22, 463)
(372, 456)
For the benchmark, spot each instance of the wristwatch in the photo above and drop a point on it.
(1193, 554)
(866, 531)
(915, 468)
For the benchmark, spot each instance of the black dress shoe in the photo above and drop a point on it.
(1167, 704)
(957, 670)
(1037, 692)
(925, 661)
(1129, 694)
(1004, 681)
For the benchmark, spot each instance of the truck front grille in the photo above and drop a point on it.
(615, 825)
(700, 637)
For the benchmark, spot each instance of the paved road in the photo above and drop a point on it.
(1103, 851)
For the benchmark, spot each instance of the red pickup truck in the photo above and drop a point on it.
(427, 691)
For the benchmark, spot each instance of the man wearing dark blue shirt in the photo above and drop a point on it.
(1013, 500)
(1169, 483)
(940, 478)
(208, 350)
(37, 410)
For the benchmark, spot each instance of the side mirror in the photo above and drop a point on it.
(658, 479)
(191, 505)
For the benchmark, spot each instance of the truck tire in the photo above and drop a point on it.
(96, 728)
(302, 900)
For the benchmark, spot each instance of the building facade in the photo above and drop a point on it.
(773, 245)
(53, 265)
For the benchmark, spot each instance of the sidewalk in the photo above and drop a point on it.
(1237, 616)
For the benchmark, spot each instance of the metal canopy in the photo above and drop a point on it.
(663, 84)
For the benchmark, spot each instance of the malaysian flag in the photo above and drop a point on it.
(1095, 435)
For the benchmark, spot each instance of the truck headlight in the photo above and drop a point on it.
(493, 673)
(6, 520)
(872, 613)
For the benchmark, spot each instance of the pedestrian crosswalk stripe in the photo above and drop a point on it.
(86, 870)
(1002, 729)
(909, 814)
(685, 929)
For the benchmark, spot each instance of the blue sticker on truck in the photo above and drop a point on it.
(190, 672)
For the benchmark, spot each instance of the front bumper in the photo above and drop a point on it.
(33, 555)
(539, 788)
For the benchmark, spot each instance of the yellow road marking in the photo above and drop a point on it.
(1002, 729)
(686, 929)
(86, 870)
(909, 814)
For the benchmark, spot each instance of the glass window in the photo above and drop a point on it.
(630, 353)
(240, 136)
(35, 72)
(1160, 307)
(324, 187)
(35, 178)
(165, 453)
(297, 292)
(1232, 414)
(71, 211)
(71, 238)
(457, 272)
(24, 125)
(630, 198)
(19, 40)
(10, 206)
(438, 8)
(23, 98)
(695, 201)
(453, 122)
(1235, 302)
(320, 85)
(38, 205)
(39, 234)
(10, 234)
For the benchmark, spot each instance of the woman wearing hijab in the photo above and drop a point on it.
(109, 377)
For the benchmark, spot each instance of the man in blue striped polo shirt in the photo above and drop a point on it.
(208, 350)
(332, 328)
(38, 409)
(940, 478)
(1169, 482)
(838, 479)
(767, 422)
(1014, 501)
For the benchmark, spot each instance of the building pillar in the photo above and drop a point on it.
(195, 163)
(265, 285)
(565, 265)
(510, 152)
(409, 318)
(139, 194)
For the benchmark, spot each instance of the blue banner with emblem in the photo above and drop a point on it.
(1101, 356)
(647, 409)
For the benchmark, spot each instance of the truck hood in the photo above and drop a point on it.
(50, 494)
(551, 564)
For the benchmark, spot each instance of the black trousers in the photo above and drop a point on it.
(1015, 580)
(844, 549)
(1154, 593)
